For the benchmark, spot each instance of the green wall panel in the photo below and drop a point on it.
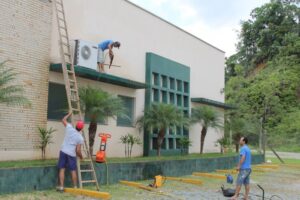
(168, 82)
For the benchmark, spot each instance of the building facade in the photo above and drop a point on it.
(158, 61)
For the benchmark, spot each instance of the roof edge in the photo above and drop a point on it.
(91, 74)
(212, 103)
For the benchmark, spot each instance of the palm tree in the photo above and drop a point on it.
(45, 139)
(160, 117)
(10, 93)
(208, 118)
(98, 105)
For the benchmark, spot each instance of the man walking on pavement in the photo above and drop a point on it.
(70, 148)
(244, 168)
(107, 44)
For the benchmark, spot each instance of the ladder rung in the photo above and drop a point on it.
(66, 44)
(86, 170)
(64, 36)
(73, 90)
(60, 11)
(61, 19)
(58, 3)
(76, 109)
(71, 80)
(62, 27)
(69, 71)
(86, 160)
(67, 54)
(89, 181)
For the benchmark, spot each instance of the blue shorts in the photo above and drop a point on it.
(66, 161)
(243, 177)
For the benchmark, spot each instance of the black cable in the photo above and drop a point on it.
(267, 198)
(275, 196)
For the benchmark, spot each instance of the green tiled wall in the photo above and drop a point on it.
(169, 82)
(13, 180)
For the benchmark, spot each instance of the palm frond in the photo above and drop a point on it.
(10, 94)
(100, 104)
(161, 116)
(206, 116)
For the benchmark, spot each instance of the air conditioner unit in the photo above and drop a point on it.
(85, 54)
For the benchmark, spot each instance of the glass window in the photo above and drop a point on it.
(129, 105)
(57, 101)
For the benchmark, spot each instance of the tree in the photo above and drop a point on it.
(184, 144)
(45, 139)
(208, 118)
(98, 105)
(263, 35)
(10, 94)
(159, 117)
(129, 140)
(269, 46)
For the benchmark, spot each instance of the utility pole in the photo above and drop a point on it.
(260, 135)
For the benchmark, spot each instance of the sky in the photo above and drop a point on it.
(214, 21)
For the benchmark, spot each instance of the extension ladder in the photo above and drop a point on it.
(72, 90)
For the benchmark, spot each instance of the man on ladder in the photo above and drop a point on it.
(76, 139)
(70, 148)
(107, 44)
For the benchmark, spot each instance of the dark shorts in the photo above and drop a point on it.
(66, 161)
(243, 177)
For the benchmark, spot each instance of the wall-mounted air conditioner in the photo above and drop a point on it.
(85, 54)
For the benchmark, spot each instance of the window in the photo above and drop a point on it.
(164, 80)
(186, 87)
(155, 95)
(57, 101)
(172, 83)
(155, 79)
(164, 97)
(129, 105)
(179, 85)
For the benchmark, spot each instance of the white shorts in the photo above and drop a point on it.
(100, 58)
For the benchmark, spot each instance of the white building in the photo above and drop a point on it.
(159, 62)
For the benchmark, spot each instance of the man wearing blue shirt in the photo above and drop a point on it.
(244, 168)
(107, 44)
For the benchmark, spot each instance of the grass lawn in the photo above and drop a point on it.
(289, 148)
(51, 162)
(286, 161)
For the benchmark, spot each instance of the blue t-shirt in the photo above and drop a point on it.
(104, 45)
(245, 151)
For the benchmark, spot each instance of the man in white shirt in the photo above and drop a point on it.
(70, 148)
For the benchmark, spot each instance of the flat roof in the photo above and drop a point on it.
(147, 11)
(101, 77)
(212, 103)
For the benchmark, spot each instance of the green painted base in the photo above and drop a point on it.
(13, 180)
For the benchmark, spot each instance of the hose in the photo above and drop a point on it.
(264, 198)
(106, 172)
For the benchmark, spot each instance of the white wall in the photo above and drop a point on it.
(140, 32)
